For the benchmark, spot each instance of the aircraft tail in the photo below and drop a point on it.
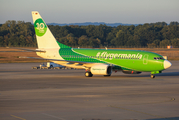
(45, 38)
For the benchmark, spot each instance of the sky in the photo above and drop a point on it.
(79, 11)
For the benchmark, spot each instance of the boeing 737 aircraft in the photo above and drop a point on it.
(95, 61)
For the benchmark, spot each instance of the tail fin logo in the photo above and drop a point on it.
(40, 27)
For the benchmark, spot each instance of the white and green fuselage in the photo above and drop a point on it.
(95, 59)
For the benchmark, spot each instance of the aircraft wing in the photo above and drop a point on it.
(25, 50)
(70, 61)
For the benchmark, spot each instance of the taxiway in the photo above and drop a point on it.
(28, 94)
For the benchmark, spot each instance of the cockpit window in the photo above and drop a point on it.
(158, 58)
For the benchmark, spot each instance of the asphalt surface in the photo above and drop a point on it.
(30, 94)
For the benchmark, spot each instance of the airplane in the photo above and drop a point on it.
(95, 61)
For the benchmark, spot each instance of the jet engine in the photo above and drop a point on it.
(101, 69)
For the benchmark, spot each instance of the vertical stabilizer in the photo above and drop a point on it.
(45, 39)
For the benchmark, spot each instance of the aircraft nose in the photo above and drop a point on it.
(167, 64)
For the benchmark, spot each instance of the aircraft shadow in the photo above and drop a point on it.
(147, 75)
(170, 118)
(168, 74)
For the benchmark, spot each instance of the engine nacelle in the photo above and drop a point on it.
(131, 72)
(101, 69)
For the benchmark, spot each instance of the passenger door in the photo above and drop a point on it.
(145, 59)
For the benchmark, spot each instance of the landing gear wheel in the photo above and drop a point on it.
(88, 74)
(152, 76)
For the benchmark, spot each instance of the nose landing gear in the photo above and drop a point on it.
(152, 76)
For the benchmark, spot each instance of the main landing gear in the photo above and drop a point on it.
(152, 76)
(88, 74)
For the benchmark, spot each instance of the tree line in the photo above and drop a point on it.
(160, 34)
